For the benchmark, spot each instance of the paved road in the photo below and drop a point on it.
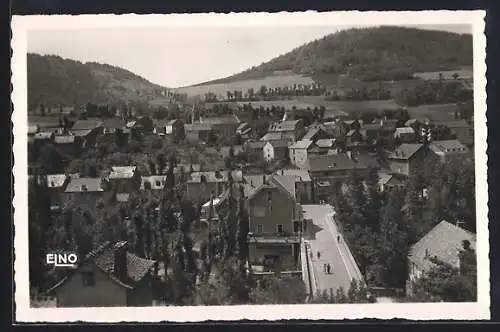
(331, 251)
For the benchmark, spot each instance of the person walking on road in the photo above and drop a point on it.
(329, 268)
(319, 255)
(338, 238)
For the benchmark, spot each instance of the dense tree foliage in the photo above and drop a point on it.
(54, 81)
(382, 226)
(372, 54)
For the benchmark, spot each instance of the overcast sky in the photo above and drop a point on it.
(175, 57)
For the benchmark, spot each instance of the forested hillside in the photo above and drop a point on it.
(371, 54)
(54, 81)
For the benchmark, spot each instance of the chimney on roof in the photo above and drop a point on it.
(120, 261)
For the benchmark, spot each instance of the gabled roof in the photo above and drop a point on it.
(288, 125)
(443, 242)
(302, 144)
(104, 258)
(301, 175)
(286, 186)
(332, 162)
(411, 122)
(404, 130)
(312, 132)
(447, 147)
(405, 151)
(122, 172)
(272, 136)
(279, 143)
(84, 185)
(87, 124)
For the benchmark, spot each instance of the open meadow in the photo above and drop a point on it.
(220, 89)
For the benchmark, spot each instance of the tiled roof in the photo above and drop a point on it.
(66, 139)
(84, 185)
(448, 147)
(287, 182)
(405, 151)
(288, 125)
(366, 160)
(332, 162)
(311, 133)
(104, 258)
(279, 143)
(254, 184)
(442, 242)
(272, 136)
(302, 144)
(87, 124)
(302, 175)
(122, 172)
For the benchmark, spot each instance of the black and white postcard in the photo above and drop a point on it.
(259, 166)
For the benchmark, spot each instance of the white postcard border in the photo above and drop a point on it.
(427, 311)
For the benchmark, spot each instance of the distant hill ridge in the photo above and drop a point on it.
(369, 54)
(54, 81)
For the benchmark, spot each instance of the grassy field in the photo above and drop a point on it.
(436, 112)
(465, 73)
(270, 82)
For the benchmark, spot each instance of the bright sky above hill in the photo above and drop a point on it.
(176, 57)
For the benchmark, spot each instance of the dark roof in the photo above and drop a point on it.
(87, 124)
(255, 145)
(405, 151)
(104, 258)
(442, 242)
(288, 125)
(279, 143)
(272, 136)
(332, 162)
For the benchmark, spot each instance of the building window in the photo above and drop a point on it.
(279, 228)
(88, 278)
(260, 229)
(158, 183)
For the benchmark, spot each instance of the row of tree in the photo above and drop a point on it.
(382, 226)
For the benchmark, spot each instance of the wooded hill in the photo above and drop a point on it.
(54, 81)
(371, 54)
